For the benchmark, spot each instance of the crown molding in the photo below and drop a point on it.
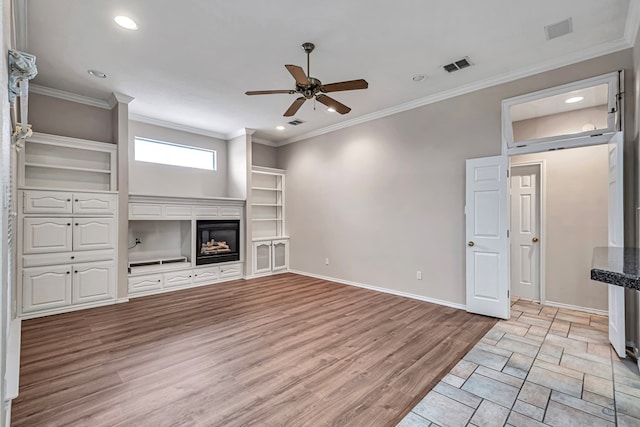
(19, 15)
(633, 23)
(583, 55)
(240, 132)
(68, 96)
(117, 98)
(176, 126)
(264, 142)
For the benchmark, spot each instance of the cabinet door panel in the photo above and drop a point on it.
(280, 255)
(47, 202)
(144, 211)
(206, 275)
(261, 257)
(41, 235)
(93, 233)
(231, 270)
(178, 278)
(46, 287)
(149, 282)
(93, 282)
(95, 204)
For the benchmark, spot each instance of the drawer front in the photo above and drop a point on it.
(45, 288)
(149, 282)
(67, 257)
(231, 271)
(230, 211)
(41, 235)
(94, 204)
(206, 212)
(93, 233)
(177, 211)
(145, 211)
(206, 275)
(178, 278)
(47, 202)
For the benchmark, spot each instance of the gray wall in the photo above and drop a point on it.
(576, 222)
(560, 124)
(163, 180)
(264, 155)
(59, 117)
(385, 198)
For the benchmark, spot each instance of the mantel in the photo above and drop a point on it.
(219, 201)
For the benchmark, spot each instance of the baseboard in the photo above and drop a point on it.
(270, 273)
(384, 290)
(576, 308)
(121, 300)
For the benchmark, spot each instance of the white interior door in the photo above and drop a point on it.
(616, 239)
(486, 231)
(525, 231)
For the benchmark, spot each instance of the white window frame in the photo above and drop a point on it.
(564, 141)
(214, 154)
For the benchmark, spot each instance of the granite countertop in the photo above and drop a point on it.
(617, 266)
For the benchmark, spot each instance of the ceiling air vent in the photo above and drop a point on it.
(296, 122)
(559, 29)
(457, 65)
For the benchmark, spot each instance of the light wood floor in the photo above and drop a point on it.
(281, 350)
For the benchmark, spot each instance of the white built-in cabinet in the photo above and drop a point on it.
(67, 223)
(270, 244)
(165, 259)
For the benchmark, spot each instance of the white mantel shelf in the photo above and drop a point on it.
(221, 201)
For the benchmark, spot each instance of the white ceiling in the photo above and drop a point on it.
(191, 61)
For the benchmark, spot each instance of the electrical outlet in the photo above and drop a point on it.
(138, 240)
(419, 275)
(326, 261)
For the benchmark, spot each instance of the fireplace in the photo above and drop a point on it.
(218, 241)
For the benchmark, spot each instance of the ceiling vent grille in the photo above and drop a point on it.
(457, 65)
(559, 29)
(296, 122)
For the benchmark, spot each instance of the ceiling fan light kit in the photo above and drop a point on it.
(310, 87)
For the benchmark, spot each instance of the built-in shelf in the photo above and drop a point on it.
(267, 204)
(263, 239)
(155, 264)
(266, 189)
(66, 168)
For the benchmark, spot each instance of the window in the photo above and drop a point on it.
(164, 153)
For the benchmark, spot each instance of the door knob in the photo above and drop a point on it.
(471, 243)
(534, 240)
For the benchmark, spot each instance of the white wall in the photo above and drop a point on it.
(385, 198)
(576, 222)
(163, 180)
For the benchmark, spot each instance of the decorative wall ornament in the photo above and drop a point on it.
(22, 68)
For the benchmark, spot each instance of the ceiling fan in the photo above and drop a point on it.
(310, 87)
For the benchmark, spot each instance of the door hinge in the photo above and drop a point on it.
(507, 233)
(508, 296)
(507, 173)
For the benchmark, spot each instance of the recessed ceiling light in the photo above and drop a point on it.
(331, 110)
(126, 22)
(574, 99)
(280, 127)
(418, 77)
(97, 74)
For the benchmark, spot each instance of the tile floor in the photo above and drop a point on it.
(543, 367)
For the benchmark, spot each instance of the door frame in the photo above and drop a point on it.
(542, 207)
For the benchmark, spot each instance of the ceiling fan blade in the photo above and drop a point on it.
(269, 92)
(298, 74)
(295, 107)
(330, 102)
(348, 85)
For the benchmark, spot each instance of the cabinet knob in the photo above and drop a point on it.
(68, 200)
(75, 271)
(76, 200)
(73, 257)
(68, 224)
(76, 223)
(158, 280)
(68, 272)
